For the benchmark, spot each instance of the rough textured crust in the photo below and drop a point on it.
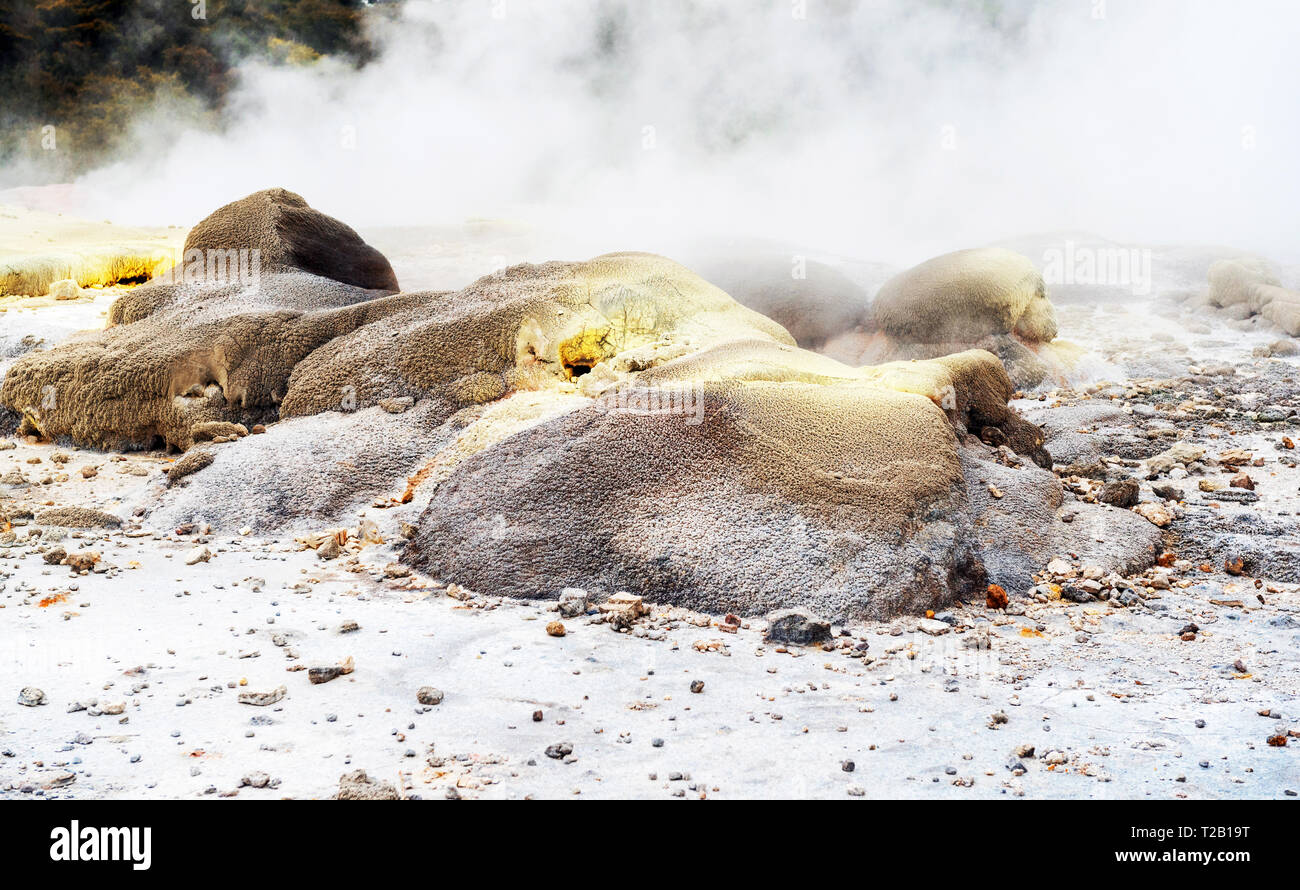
(964, 296)
(529, 327)
(839, 496)
(795, 479)
(291, 235)
(618, 423)
(1249, 286)
(219, 354)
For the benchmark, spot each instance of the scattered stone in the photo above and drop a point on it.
(30, 697)
(318, 675)
(262, 699)
(797, 626)
(995, 598)
(65, 289)
(1157, 514)
(358, 786)
(697, 686)
(429, 695)
(83, 561)
(255, 780)
(933, 627)
(573, 602)
(555, 629)
(197, 555)
(559, 750)
(1121, 493)
(1167, 492)
(623, 609)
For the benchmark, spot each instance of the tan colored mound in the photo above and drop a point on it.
(1249, 287)
(964, 296)
(551, 326)
(224, 355)
(812, 300)
(216, 340)
(841, 496)
(744, 477)
(77, 517)
(291, 235)
(618, 423)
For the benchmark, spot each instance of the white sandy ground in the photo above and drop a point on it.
(1116, 693)
(1109, 698)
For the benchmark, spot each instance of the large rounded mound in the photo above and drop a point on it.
(562, 326)
(813, 300)
(1248, 287)
(618, 423)
(964, 296)
(735, 496)
(291, 235)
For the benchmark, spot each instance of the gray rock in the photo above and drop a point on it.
(798, 626)
(573, 602)
(1120, 493)
(30, 697)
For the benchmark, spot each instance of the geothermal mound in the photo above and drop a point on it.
(291, 236)
(967, 295)
(614, 424)
(1247, 288)
(987, 298)
(193, 348)
(814, 301)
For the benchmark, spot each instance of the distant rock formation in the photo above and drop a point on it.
(614, 424)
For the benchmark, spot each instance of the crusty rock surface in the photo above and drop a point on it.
(77, 517)
(530, 327)
(812, 300)
(291, 235)
(357, 785)
(215, 339)
(217, 354)
(965, 295)
(1248, 287)
(984, 298)
(618, 424)
(302, 472)
(775, 477)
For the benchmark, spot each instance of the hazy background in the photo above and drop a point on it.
(873, 129)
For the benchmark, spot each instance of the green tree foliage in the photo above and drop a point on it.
(88, 67)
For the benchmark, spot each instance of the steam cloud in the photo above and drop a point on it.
(882, 130)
